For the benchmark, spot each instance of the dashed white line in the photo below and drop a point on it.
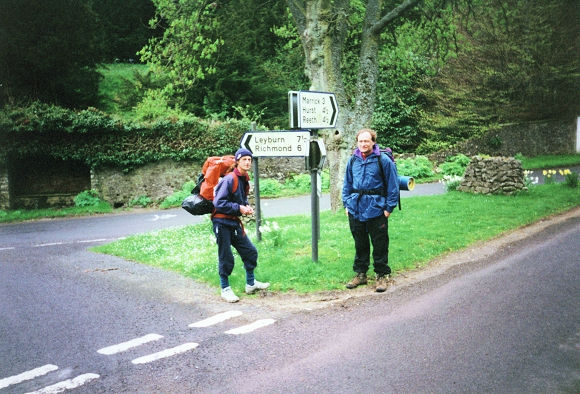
(121, 347)
(251, 327)
(48, 244)
(210, 321)
(67, 384)
(92, 240)
(166, 353)
(8, 248)
(28, 375)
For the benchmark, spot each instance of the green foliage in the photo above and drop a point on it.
(512, 63)
(155, 105)
(548, 161)
(98, 139)
(417, 167)
(220, 56)
(188, 45)
(87, 198)
(571, 179)
(175, 199)
(141, 201)
(455, 165)
(49, 51)
(270, 187)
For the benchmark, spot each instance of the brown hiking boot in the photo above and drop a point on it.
(382, 282)
(359, 279)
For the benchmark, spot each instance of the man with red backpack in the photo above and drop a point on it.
(231, 202)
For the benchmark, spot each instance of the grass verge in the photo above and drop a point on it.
(549, 161)
(427, 227)
(19, 215)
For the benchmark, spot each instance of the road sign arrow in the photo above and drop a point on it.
(316, 110)
(279, 143)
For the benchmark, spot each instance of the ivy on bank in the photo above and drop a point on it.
(98, 139)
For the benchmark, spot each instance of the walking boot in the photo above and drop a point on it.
(382, 282)
(359, 279)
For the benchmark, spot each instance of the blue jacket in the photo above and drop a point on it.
(364, 174)
(228, 202)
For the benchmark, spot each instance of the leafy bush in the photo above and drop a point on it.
(175, 199)
(270, 187)
(455, 165)
(451, 182)
(142, 201)
(87, 198)
(299, 183)
(417, 167)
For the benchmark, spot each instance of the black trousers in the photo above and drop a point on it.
(375, 231)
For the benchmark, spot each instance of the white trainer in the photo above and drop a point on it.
(228, 295)
(257, 286)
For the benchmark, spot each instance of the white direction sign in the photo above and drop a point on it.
(312, 110)
(286, 143)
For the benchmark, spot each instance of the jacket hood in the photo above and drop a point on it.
(376, 150)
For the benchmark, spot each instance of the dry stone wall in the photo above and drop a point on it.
(493, 175)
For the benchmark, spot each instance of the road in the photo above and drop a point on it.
(500, 319)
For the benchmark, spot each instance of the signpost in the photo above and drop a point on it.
(312, 110)
(308, 110)
(279, 143)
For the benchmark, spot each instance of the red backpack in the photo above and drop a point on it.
(200, 201)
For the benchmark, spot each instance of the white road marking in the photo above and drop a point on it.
(92, 240)
(251, 327)
(215, 319)
(162, 217)
(166, 353)
(48, 244)
(121, 347)
(67, 384)
(8, 248)
(28, 375)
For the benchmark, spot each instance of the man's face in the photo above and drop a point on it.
(245, 163)
(365, 143)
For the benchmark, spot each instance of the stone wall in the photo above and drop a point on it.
(494, 175)
(155, 180)
(159, 180)
(530, 139)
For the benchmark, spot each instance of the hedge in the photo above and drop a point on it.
(98, 139)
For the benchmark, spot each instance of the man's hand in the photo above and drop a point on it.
(387, 214)
(246, 210)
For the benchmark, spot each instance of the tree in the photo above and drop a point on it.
(516, 61)
(225, 55)
(323, 27)
(125, 25)
(46, 54)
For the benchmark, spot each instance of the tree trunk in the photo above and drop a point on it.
(322, 27)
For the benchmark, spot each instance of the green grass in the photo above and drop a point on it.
(549, 161)
(112, 83)
(20, 215)
(426, 227)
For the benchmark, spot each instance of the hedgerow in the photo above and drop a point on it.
(98, 139)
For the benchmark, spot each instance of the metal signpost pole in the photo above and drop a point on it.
(314, 201)
(256, 171)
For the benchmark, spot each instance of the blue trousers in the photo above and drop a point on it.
(228, 236)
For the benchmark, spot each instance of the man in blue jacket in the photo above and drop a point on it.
(231, 202)
(370, 193)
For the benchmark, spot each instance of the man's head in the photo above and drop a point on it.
(365, 140)
(243, 159)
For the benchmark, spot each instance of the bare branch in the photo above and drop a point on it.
(394, 14)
